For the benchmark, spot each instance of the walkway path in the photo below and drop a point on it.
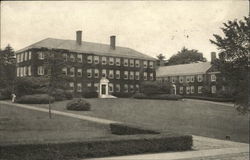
(204, 148)
(83, 117)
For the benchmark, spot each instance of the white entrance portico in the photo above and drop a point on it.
(104, 89)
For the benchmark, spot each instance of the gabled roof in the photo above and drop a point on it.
(88, 47)
(183, 69)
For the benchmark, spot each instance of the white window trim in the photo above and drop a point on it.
(89, 71)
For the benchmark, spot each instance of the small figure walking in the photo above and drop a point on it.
(13, 97)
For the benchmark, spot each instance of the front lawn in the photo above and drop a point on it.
(188, 117)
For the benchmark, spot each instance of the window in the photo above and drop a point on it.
(213, 89)
(125, 62)
(199, 89)
(192, 89)
(40, 70)
(24, 71)
(187, 90)
(151, 64)
(166, 79)
(17, 71)
(29, 55)
(125, 88)
(137, 75)
(79, 87)
(21, 71)
(137, 88)
(89, 73)
(96, 85)
(137, 63)
(111, 74)
(181, 90)
(187, 79)
(151, 76)
(64, 71)
(21, 57)
(90, 59)
(104, 73)
(17, 58)
(145, 64)
(89, 84)
(96, 59)
(71, 86)
(173, 79)
(200, 78)
(117, 88)
(96, 73)
(79, 58)
(118, 61)
(72, 72)
(117, 74)
(181, 79)
(72, 57)
(104, 60)
(131, 63)
(131, 76)
(111, 61)
(79, 72)
(131, 88)
(125, 74)
(40, 55)
(213, 77)
(111, 87)
(64, 55)
(25, 56)
(29, 71)
(145, 76)
(192, 78)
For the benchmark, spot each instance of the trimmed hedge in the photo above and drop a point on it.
(78, 104)
(158, 96)
(123, 95)
(122, 129)
(216, 99)
(35, 99)
(5, 93)
(90, 94)
(109, 146)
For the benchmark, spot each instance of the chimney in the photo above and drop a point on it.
(79, 37)
(112, 42)
(213, 56)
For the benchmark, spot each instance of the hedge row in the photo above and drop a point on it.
(112, 146)
(35, 99)
(216, 99)
(158, 96)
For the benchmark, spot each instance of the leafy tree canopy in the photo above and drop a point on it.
(186, 56)
(234, 58)
(161, 57)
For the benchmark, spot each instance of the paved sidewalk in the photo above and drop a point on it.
(83, 117)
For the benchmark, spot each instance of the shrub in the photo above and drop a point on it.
(35, 99)
(155, 87)
(90, 94)
(58, 94)
(157, 96)
(123, 95)
(78, 104)
(68, 95)
(5, 93)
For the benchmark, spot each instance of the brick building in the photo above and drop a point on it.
(86, 63)
(191, 79)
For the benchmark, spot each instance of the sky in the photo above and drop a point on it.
(151, 27)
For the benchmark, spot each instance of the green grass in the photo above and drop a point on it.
(187, 117)
(21, 126)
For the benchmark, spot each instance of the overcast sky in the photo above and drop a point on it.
(149, 27)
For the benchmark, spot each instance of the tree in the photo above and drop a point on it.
(161, 57)
(186, 56)
(234, 59)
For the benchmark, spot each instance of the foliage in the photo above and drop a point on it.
(158, 96)
(7, 67)
(122, 94)
(90, 93)
(161, 57)
(78, 104)
(5, 93)
(58, 94)
(35, 99)
(186, 56)
(234, 58)
(155, 87)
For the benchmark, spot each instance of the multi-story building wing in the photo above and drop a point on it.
(190, 79)
(88, 62)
